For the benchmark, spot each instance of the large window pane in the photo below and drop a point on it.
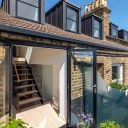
(96, 24)
(117, 72)
(71, 25)
(126, 37)
(71, 14)
(81, 84)
(72, 19)
(97, 29)
(32, 2)
(114, 32)
(96, 33)
(4, 91)
(27, 11)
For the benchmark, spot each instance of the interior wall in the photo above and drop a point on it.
(23, 51)
(54, 73)
(47, 82)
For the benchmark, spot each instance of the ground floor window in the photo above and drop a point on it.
(117, 72)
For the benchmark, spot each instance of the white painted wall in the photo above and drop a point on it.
(23, 51)
(57, 59)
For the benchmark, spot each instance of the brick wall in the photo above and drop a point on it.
(2, 82)
(107, 67)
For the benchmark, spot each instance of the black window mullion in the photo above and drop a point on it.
(71, 20)
(28, 4)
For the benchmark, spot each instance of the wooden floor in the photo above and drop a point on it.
(41, 117)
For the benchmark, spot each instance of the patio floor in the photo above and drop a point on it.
(41, 117)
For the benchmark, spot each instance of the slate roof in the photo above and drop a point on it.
(8, 20)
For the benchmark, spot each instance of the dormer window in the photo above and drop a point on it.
(113, 30)
(126, 37)
(28, 9)
(33, 10)
(96, 28)
(66, 16)
(72, 19)
(92, 26)
(123, 34)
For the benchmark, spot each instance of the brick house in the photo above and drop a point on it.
(56, 59)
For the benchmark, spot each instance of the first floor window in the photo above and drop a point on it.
(114, 32)
(72, 19)
(28, 9)
(126, 37)
(97, 29)
(117, 73)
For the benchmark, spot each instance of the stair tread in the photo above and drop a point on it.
(29, 100)
(19, 65)
(21, 69)
(23, 75)
(23, 80)
(27, 92)
(25, 86)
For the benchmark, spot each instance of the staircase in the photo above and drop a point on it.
(26, 93)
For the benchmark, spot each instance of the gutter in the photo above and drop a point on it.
(55, 37)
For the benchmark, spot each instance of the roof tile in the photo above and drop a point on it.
(8, 20)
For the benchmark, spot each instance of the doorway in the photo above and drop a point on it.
(82, 85)
(49, 70)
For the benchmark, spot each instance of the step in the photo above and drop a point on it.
(23, 69)
(23, 80)
(23, 75)
(18, 59)
(21, 65)
(30, 100)
(28, 92)
(25, 86)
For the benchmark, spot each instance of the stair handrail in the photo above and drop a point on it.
(17, 75)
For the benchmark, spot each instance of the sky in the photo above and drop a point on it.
(118, 16)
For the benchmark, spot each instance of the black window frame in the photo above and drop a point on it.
(113, 27)
(125, 34)
(39, 10)
(94, 18)
(77, 19)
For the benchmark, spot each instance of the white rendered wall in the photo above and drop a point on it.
(58, 60)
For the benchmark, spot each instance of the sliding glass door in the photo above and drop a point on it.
(82, 85)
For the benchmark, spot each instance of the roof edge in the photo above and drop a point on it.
(55, 37)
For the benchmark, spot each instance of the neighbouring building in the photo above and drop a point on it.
(57, 65)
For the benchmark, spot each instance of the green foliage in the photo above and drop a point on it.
(110, 124)
(118, 85)
(13, 123)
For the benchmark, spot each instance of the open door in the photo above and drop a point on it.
(82, 85)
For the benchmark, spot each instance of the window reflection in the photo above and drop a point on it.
(97, 28)
(28, 9)
(72, 19)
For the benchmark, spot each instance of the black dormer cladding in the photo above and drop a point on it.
(123, 34)
(5, 5)
(87, 25)
(57, 15)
